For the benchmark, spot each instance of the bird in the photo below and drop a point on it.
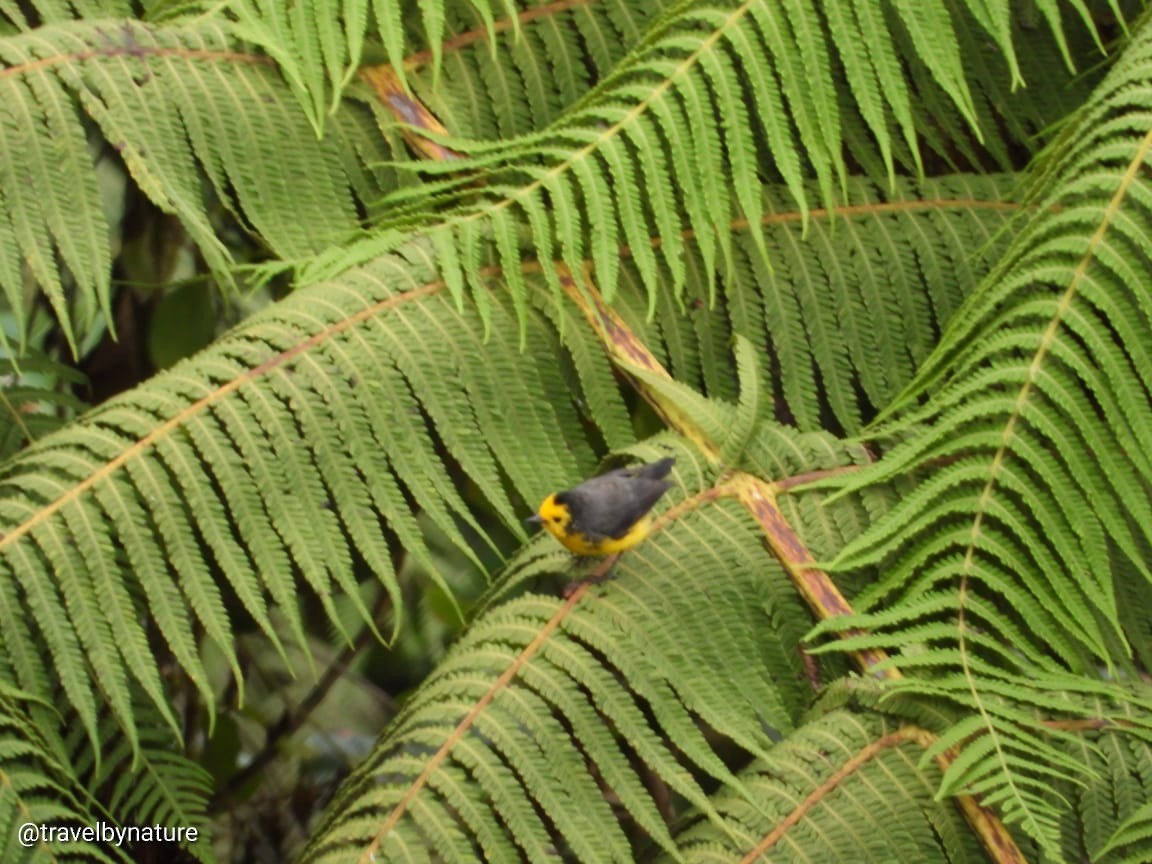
(608, 513)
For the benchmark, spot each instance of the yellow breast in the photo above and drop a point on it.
(579, 543)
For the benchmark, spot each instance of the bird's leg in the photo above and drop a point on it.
(602, 572)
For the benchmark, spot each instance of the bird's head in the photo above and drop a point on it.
(553, 514)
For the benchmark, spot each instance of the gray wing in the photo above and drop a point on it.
(612, 503)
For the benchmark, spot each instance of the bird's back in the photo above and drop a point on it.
(609, 505)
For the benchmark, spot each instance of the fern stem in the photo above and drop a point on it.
(996, 838)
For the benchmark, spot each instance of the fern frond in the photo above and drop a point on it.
(587, 689)
(1130, 843)
(1027, 433)
(847, 307)
(156, 92)
(149, 782)
(283, 449)
(41, 788)
(543, 65)
(157, 95)
(820, 795)
(1108, 805)
(35, 398)
(657, 109)
(703, 158)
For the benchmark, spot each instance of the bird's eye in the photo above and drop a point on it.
(556, 519)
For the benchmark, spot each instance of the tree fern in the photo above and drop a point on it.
(155, 92)
(136, 464)
(1031, 509)
(156, 95)
(1111, 804)
(541, 687)
(646, 120)
(819, 797)
(730, 176)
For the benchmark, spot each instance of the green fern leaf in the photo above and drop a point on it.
(467, 755)
(1033, 400)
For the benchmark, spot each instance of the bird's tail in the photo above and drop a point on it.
(657, 470)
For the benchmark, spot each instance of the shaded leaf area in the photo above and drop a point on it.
(149, 781)
(843, 787)
(644, 693)
(157, 95)
(1011, 568)
(1113, 819)
(39, 786)
(36, 397)
(1131, 842)
(61, 782)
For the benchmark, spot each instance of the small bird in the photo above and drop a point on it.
(606, 514)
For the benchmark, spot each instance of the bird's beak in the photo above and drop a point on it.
(534, 520)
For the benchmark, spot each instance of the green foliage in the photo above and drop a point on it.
(606, 693)
(36, 397)
(1112, 822)
(39, 788)
(156, 92)
(182, 324)
(741, 93)
(256, 411)
(63, 783)
(157, 96)
(860, 789)
(808, 213)
(145, 782)
(1027, 433)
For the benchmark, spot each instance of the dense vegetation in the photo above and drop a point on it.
(306, 305)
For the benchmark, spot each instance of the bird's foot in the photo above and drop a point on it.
(603, 571)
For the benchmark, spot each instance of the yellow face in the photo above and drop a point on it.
(554, 517)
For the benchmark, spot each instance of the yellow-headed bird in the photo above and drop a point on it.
(606, 514)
